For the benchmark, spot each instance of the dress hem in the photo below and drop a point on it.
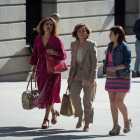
(115, 90)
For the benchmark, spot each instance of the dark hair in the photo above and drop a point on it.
(40, 29)
(119, 30)
(74, 33)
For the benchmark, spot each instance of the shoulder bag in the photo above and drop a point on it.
(55, 64)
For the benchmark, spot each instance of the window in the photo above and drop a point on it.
(33, 16)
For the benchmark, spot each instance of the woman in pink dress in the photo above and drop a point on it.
(48, 84)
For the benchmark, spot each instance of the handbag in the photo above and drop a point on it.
(55, 64)
(29, 96)
(67, 108)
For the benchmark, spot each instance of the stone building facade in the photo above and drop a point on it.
(99, 15)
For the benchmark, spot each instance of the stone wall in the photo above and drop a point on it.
(97, 14)
(14, 56)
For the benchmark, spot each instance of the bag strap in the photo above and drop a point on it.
(67, 89)
(53, 42)
(35, 82)
(30, 81)
(28, 84)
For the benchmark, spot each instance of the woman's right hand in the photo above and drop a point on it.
(68, 80)
(32, 75)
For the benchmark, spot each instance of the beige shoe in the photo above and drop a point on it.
(115, 132)
(86, 129)
(78, 125)
(126, 130)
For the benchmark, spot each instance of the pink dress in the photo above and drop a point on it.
(48, 84)
(113, 83)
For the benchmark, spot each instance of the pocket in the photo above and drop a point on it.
(119, 56)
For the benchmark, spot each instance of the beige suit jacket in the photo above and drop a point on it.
(88, 63)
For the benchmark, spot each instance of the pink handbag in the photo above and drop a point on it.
(55, 64)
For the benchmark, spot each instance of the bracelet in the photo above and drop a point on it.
(33, 70)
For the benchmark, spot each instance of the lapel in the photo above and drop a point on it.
(86, 46)
(75, 48)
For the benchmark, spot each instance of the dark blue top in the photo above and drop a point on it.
(136, 28)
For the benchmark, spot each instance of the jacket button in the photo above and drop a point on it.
(80, 68)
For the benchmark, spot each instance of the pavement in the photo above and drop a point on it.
(19, 124)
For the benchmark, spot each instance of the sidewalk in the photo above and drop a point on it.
(19, 124)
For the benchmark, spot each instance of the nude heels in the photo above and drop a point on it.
(115, 132)
(126, 130)
(86, 129)
(78, 125)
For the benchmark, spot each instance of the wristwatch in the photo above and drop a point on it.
(57, 53)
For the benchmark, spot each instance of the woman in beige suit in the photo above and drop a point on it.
(83, 73)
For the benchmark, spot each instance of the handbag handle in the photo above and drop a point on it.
(31, 85)
(67, 89)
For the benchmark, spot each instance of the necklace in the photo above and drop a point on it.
(45, 40)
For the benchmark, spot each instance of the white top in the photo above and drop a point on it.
(79, 55)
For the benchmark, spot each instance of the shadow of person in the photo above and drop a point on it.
(70, 137)
(4, 130)
(135, 81)
(43, 134)
(19, 131)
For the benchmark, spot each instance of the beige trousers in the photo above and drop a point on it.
(89, 96)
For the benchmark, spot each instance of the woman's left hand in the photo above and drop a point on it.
(105, 52)
(113, 68)
(91, 81)
(51, 52)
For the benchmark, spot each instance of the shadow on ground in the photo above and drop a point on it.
(43, 134)
(135, 81)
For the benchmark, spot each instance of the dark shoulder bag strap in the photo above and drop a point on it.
(53, 42)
